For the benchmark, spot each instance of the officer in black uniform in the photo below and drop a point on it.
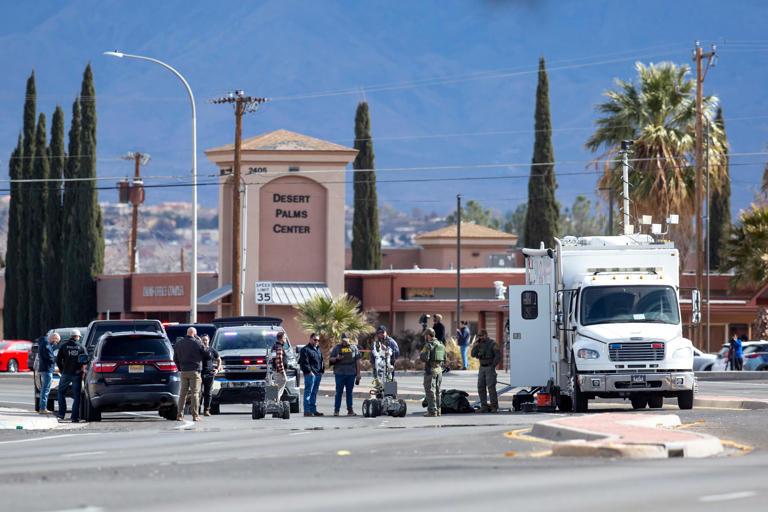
(71, 367)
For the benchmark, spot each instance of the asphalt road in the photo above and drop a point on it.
(230, 462)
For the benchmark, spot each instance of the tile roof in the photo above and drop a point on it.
(283, 140)
(468, 230)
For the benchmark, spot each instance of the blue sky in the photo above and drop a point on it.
(450, 84)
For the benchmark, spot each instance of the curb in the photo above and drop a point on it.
(571, 441)
(19, 419)
(737, 403)
(732, 375)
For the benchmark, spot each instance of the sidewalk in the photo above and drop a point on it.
(20, 419)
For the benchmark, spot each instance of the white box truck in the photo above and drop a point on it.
(600, 317)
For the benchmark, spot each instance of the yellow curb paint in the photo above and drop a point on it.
(745, 449)
(341, 453)
(518, 434)
(723, 408)
(686, 425)
(543, 453)
(509, 454)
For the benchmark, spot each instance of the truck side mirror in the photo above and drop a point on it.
(559, 310)
(695, 307)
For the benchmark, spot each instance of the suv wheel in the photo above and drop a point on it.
(37, 401)
(91, 413)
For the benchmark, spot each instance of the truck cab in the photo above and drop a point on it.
(600, 317)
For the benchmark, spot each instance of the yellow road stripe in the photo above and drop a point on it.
(745, 449)
(686, 425)
(540, 454)
(518, 434)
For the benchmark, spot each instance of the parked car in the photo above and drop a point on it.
(174, 330)
(757, 357)
(702, 361)
(14, 355)
(131, 371)
(747, 347)
(242, 344)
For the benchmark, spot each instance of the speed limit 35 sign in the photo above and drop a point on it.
(264, 292)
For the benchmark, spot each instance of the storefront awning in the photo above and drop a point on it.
(214, 295)
(288, 293)
(283, 293)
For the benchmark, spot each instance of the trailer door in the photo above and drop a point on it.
(530, 336)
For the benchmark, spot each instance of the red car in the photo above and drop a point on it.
(13, 355)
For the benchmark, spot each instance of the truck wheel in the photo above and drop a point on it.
(564, 403)
(215, 408)
(638, 402)
(655, 401)
(685, 399)
(580, 400)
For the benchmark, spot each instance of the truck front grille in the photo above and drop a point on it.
(652, 351)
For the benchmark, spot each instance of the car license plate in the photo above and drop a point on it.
(638, 379)
(136, 368)
(251, 368)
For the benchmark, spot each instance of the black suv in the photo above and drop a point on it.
(131, 371)
(242, 344)
(98, 328)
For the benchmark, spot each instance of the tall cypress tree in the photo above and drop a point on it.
(10, 309)
(37, 301)
(543, 208)
(30, 113)
(85, 247)
(366, 242)
(53, 222)
(720, 207)
(69, 209)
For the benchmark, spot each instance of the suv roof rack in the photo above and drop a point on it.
(231, 321)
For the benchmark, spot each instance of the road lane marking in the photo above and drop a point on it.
(298, 433)
(47, 437)
(745, 448)
(728, 497)
(542, 453)
(722, 408)
(82, 454)
(518, 434)
(686, 425)
(187, 424)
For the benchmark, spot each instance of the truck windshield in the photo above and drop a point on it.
(622, 304)
(238, 340)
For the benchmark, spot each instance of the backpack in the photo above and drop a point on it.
(454, 401)
(438, 352)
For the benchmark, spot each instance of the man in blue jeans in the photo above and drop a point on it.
(463, 335)
(313, 367)
(345, 359)
(45, 366)
(71, 368)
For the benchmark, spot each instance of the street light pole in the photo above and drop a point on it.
(193, 284)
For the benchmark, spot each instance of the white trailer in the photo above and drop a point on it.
(600, 317)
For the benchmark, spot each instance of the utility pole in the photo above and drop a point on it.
(458, 261)
(242, 105)
(136, 197)
(701, 73)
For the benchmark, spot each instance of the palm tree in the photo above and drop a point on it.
(330, 318)
(746, 250)
(659, 115)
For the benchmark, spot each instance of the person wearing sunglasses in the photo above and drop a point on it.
(312, 366)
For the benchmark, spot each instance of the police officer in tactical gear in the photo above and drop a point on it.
(433, 355)
(487, 351)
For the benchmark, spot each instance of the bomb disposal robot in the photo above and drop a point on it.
(384, 391)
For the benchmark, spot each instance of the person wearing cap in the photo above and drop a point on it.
(345, 359)
(487, 351)
(433, 355)
(46, 363)
(71, 367)
(462, 336)
(388, 342)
